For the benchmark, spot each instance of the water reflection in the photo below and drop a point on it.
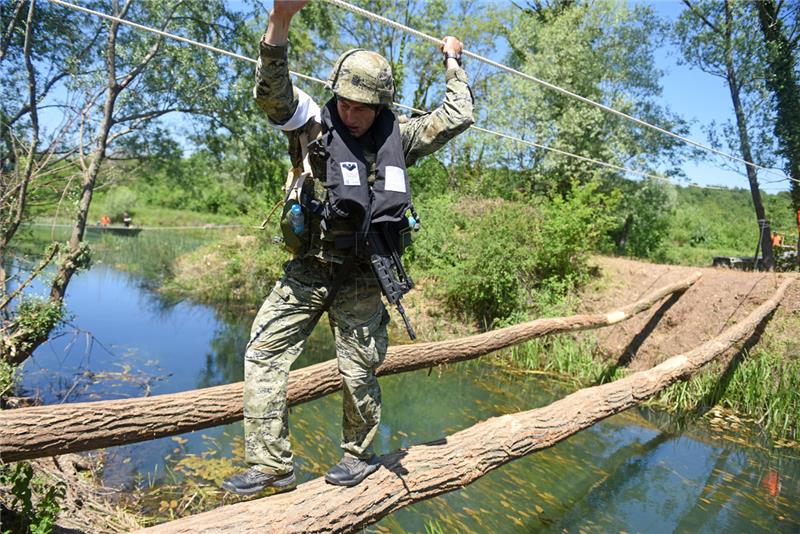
(633, 472)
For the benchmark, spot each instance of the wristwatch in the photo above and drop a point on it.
(451, 55)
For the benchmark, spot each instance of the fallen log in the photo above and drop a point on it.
(59, 429)
(424, 471)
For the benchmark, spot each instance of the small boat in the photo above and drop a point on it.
(115, 230)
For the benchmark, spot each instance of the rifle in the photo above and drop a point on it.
(386, 264)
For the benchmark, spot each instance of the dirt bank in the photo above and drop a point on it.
(719, 299)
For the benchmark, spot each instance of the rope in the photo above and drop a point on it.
(550, 149)
(364, 13)
(319, 81)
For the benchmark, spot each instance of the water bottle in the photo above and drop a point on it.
(412, 223)
(296, 219)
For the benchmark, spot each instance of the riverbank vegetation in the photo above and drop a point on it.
(760, 386)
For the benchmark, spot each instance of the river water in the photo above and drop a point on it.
(630, 473)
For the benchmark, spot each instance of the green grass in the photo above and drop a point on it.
(237, 270)
(562, 355)
(762, 386)
(148, 216)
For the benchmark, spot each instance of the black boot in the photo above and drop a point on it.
(351, 470)
(252, 481)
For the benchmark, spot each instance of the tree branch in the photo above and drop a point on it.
(12, 24)
(45, 262)
(702, 17)
(127, 79)
(148, 115)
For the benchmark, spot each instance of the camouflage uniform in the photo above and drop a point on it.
(357, 315)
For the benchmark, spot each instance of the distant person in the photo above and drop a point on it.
(105, 220)
(777, 239)
(126, 220)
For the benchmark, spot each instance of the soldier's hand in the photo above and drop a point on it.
(286, 9)
(452, 45)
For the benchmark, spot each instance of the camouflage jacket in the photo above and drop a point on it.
(291, 110)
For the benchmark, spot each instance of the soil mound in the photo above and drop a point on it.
(718, 300)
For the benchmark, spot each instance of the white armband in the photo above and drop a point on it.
(306, 109)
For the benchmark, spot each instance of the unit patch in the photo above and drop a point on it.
(350, 173)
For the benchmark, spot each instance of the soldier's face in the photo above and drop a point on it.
(357, 117)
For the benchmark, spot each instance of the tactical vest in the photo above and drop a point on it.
(344, 193)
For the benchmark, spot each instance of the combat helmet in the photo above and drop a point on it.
(362, 76)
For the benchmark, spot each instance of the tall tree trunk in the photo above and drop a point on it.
(782, 81)
(744, 143)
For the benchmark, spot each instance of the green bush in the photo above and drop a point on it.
(490, 280)
(37, 317)
(490, 258)
(32, 518)
(649, 216)
(8, 377)
(119, 200)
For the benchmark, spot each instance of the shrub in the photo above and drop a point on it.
(35, 518)
(119, 200)
(491, 257)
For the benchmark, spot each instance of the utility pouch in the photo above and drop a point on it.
(295, 242)
(404, 236)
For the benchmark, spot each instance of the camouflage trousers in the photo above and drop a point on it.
(358, 319)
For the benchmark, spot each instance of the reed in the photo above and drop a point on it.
(759, 385)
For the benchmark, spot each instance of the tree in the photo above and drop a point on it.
(118, 83)
(715, 37)
(603, 51)
(646, 209)
(782, 80)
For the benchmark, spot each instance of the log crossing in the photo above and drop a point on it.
(424, 471)
(51, 430)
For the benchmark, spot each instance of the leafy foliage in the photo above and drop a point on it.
(646, 212)
(31, 517)
(38, 316)
(8, 377)
(490, 257)
(710, 222)
(601, 50)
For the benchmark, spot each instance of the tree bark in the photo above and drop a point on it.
(424, 471)
(51, 430)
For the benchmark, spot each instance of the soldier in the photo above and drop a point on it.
(337, 152)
